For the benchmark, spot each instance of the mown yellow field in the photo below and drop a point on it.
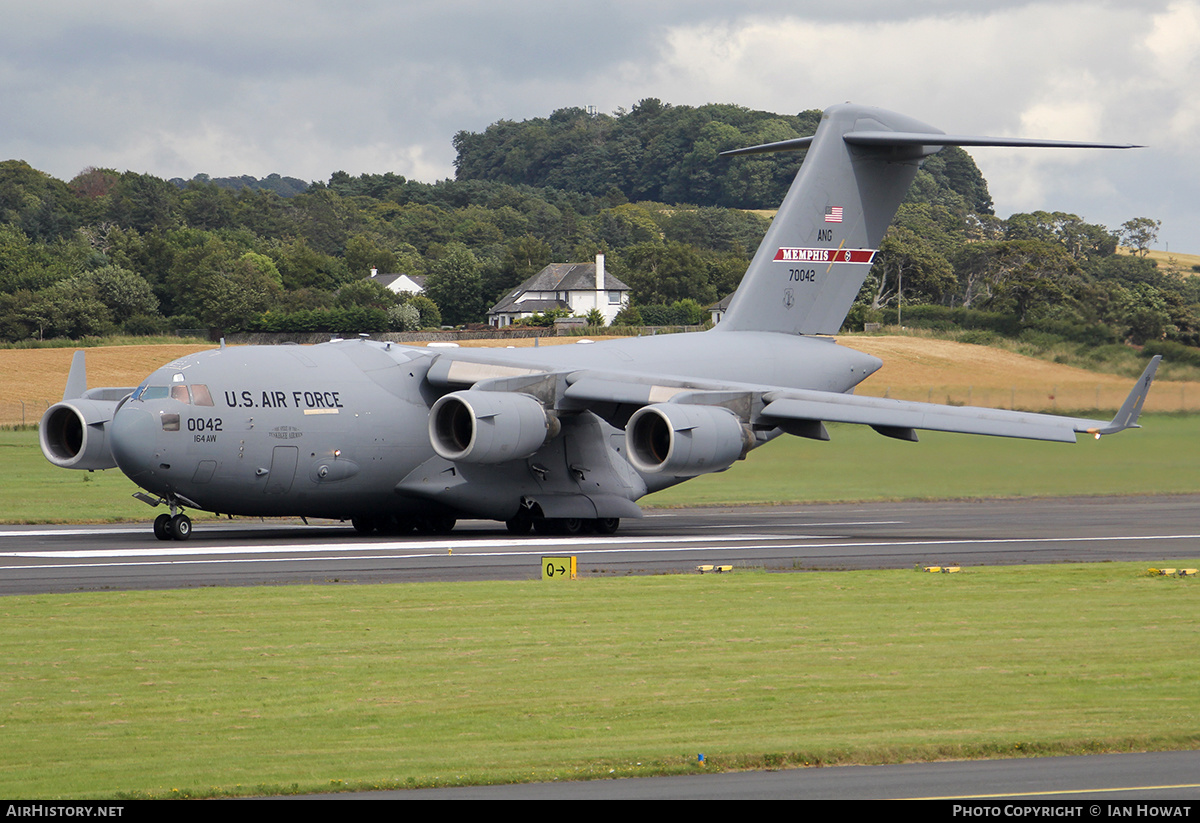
(914, 368)
(1171, 261)
(941, 371)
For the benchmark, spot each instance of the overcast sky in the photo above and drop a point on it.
(308, 87)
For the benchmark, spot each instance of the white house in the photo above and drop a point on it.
(577, 287)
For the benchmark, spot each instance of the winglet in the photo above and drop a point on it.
(77, 379)
(1127, 416)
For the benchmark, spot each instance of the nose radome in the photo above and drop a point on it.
(132, 441)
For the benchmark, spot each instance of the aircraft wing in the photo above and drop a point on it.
(797, 411)
(899, 418)
(894, 418)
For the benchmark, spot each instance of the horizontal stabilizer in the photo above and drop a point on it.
(893, 138)
(886, 139)
(767, 148)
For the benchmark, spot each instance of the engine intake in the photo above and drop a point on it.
(73, 434)
(684, 440)
(489, 427)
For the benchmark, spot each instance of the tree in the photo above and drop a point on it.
(1027, 273)
(665, 273)
(431, 315)
(1139, 234)
(302, 266)
(122, 292)
(908, 263)
(404, 317)
(364, 252)
(454, 283)
(629, 315)
(366, 293)
(144, 202)
(1143, 312)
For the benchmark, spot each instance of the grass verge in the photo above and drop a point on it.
(302, 689)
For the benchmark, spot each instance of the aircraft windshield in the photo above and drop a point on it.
(196, 394)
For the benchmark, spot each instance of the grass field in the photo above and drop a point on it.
(304, 689)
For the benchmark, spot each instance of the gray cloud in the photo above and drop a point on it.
(306, 88)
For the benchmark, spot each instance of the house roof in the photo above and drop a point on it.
(557, 277)
(388, 279)
(722, 304)
(570, 277)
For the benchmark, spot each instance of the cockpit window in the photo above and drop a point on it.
(194, 395)
(150, 393)
(200, 395)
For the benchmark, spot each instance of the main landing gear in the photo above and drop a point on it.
(173, 527)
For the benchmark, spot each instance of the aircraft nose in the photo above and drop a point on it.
(132, 440)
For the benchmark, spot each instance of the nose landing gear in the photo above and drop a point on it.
(173, 526)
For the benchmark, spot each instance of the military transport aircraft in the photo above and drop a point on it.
(558, 439)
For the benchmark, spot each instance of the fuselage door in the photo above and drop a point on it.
(283, 470)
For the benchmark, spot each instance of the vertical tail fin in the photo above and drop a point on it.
(820, 246)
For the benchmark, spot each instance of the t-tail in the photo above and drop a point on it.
(821, 244)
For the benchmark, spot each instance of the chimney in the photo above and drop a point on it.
(599, 272)
(374, 271)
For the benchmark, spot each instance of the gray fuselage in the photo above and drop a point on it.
(332, 430)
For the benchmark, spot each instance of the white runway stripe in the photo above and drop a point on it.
(465, 546)
(536, 548)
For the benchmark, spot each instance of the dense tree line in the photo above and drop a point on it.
(669, 154)
(1049, 271)
(121, 251)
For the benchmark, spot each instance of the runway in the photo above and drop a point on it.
(1099, 786)
(1154, 530)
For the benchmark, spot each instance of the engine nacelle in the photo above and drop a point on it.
(73, 434)
(489, 427)
(685, 440)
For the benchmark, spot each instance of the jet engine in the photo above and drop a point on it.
(684, 440)
(73, 434)
(489, 427)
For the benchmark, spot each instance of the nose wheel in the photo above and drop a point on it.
(173, 527)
